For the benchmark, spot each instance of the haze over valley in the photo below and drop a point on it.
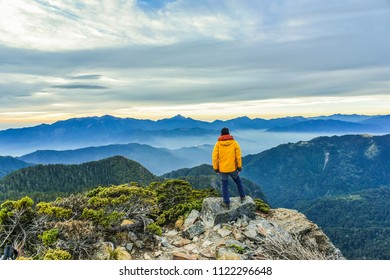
(335, 164)
(255, 135)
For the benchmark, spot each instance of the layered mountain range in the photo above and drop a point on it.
(97, 131)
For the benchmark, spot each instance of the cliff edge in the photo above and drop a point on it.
(239, 233)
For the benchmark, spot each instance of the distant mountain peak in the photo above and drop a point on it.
(179, 117)
(108, 117)
(243, 118)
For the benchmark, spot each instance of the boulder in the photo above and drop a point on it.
(194, 230)
(223, 232)
(132, 236)
(164, 242)
(214, 213)
(191, 219)
(129, 246)
(139, 244)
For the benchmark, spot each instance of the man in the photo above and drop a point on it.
(227, 162)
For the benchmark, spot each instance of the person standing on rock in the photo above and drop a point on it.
(227, 162)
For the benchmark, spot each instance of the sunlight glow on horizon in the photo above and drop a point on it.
(266, 109)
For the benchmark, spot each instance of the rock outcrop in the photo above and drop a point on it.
(241, 233)
(213, 213)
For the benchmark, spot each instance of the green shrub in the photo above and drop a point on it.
(177, 198)
(57, 254)
(76, 225)
(16, 218)
(23, 206)
(23, 203)
(153, 228)
(172, 214)
(172, 192)
(22, 258)
(56, 212)
(50, 237)
(95, 216)
(261, 205)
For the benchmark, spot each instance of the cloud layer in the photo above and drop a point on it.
(73, 58)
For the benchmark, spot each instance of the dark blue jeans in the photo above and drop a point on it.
(225, 190)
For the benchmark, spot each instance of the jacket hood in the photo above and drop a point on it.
(225, 137)
(225, 140)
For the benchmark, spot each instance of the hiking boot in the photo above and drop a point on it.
(225, 205)
(243, 198)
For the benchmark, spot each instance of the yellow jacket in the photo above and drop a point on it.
(226, 154)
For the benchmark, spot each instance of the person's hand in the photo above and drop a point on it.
(239, 169)
(216, 170)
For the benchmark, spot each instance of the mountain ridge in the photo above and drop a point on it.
(97, 131)
(157, 160)
(321, 166)
(328, 125)
(9, 164)
(50, 181)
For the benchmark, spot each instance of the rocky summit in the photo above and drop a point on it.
(239, 233)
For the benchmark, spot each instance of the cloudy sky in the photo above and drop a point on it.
(209, 60)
